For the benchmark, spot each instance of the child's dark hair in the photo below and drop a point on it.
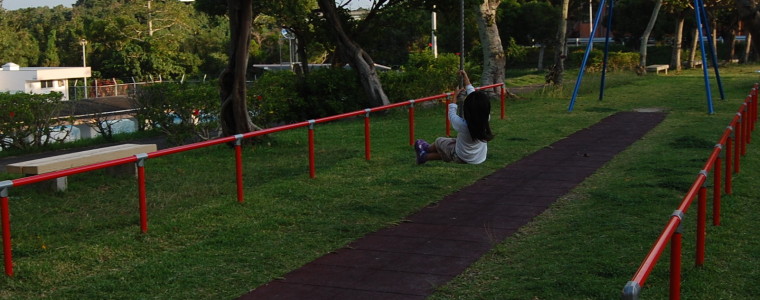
(477, 112)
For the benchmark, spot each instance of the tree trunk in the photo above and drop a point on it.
(747, 48)
(714, 36)
(647, 32)
(541, 50)
(675, 57)
(234, 116)
(302, 55)
(694, 45)
(494, 59)
(359, 60)
(732, 45)
(560, 45)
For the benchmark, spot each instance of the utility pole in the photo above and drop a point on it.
(434, 39)
(83, 42)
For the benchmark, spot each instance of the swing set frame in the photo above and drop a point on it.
(702, 26)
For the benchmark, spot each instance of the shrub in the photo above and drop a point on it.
(182, 111)
(273, 97)
(616, 61)
(31, 120)
(423, 75)
(333, 91)
(276, 96)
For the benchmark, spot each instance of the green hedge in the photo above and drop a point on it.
(616, 61)
(184, 112)
(278, 97)
(31, 120)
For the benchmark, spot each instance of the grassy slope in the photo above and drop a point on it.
(85, 243)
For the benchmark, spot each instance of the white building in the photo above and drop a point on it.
(40, 80)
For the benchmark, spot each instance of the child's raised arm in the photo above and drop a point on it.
(465, 79)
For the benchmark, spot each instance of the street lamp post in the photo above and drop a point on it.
(83, 42)
(434, 39)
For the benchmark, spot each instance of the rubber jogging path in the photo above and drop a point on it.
(412, 259)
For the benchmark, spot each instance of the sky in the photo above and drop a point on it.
(16, 4)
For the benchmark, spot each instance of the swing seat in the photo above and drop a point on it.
(658, 68)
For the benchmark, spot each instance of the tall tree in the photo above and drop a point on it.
(675, 56)
(494, 60)
(134, 38)
(647, 32)
(50, 56)
(560, 44)
(234, 111)
(357, 58)
(678, 9)
(17, 44)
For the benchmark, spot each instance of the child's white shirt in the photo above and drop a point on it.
(468, 150)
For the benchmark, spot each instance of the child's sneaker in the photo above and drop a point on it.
(421, 148)
(421, 157)
(421, 145)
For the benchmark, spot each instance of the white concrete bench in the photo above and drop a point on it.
(658, 68)
(78, 159)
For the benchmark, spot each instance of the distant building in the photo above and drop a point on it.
(40, 80)
(358, 14)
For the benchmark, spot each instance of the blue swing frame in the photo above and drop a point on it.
(701, 17)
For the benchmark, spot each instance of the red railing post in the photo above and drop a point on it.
(729, 163)
(411, 122)
(502, 96)
(745, 128)
(141, 190)
(675, 258)
(754, 106)
(239, 166)
(448, 122)
(367, 143)
(716, 189)
(312, 168)
(6, 221)
(701, 222)
(750, 119)
(737, 143)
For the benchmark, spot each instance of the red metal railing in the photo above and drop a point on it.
(140, 160)
(739, 132)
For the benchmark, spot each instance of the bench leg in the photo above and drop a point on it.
(60, 183)
(53, 185)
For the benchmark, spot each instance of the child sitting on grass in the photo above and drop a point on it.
(473, 131)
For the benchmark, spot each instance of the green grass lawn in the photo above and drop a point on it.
(202, 244)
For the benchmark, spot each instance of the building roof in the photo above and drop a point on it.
(47, 73)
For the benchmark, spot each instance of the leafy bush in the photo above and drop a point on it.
(31, 120)
(273, 98)
(278, 97)
(182, 111)
(423, 75)
(333, 91)
(616, 61)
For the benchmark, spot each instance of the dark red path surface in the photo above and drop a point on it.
(410, 260)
